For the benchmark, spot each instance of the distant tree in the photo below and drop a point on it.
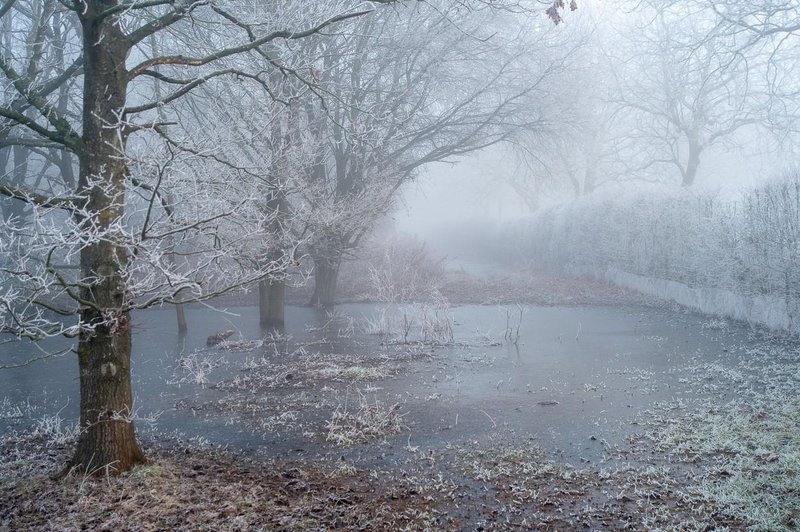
(772, 28)
(683, 88)
(414, 86)
(758, 19)
(574, 154)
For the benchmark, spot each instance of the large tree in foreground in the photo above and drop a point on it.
(154, 216)
(118, 225)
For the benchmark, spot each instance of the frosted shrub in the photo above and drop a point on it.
(404, 272)
(55, 431)
(748, 246)
(382, 324)
(195, 368)
(10, 410)
(437, 321)
(363, 422)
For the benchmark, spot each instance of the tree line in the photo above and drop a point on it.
(168, 151)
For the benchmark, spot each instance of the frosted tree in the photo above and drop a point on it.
(145, 218)
(142, 210)
(683, 88)
(575, 154)
(416, 85)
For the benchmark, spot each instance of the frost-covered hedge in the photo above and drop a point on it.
(735, 257)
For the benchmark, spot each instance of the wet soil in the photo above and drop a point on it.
(191, 488)
(530, 417)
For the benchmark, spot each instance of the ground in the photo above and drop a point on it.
(190, 488)
(345, 458)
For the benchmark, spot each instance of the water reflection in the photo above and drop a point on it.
(555, 385)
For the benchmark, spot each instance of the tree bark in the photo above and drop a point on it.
(271, 303)
(326, 275)
(180, 314)
(691, 165)
(107, 443)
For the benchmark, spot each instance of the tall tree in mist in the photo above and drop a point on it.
(411, 87)
(683, 88)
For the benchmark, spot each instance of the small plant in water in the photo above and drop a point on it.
(513, 324)
(195, 368)
(436, 321)
(10, 410)
(382, 324)
(366, 421)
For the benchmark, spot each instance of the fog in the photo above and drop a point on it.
(447, 194)
(399, 265)
(478, 189)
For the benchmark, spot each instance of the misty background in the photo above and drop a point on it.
(473, 264)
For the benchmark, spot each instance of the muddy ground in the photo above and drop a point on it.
(708, 442)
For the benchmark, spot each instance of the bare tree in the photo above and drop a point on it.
(115, 223)
(414, 86)
(771, 28)
(682, 89)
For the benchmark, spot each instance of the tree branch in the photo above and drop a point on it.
(5, 7)
(67, 135)
(281, 34)
(34, 198)
(163, 21)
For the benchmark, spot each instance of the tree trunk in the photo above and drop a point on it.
(180, 314)
(326, 275)
(271, 302)
(272, 292)
(691, 165)
(107, 443)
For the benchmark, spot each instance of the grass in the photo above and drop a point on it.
(704, 464)
(357, 373)
(13, 410)
(538, 494)
(430, 323)
(308, 369)
(748, 457)
(364, 421)
(188, 488)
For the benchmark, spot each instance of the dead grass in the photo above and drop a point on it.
(488, 486)
(309, 369)
(742, 455)
(745, 456)
(359, 420)
(534, 493)
(201, 489)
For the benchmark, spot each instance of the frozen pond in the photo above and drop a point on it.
(577, 380)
